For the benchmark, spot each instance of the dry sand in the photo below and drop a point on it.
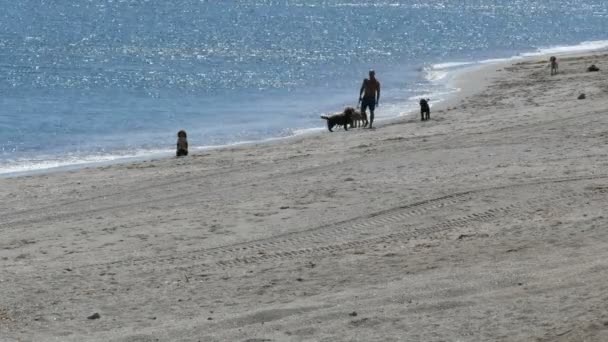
(487, 223)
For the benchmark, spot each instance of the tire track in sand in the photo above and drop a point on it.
(355, 232)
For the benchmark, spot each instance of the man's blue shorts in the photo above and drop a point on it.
(365, 103)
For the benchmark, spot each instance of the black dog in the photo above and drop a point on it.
(425, 110)
(342, 119)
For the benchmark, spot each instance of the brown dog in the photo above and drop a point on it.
(182, 144)
(342, 119)
(359, 119)
(553, 64)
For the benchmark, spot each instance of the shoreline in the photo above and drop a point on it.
(456, 74)
(485, 223)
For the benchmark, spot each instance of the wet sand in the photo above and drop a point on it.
(487, 223)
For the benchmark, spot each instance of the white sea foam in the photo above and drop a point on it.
(43, 163)
(440, 71)
(436, 96)
(555, 50)
(306, 131)
(443, 73)
(499, 60)
(434, 75)
(567, 49)
(450, 65)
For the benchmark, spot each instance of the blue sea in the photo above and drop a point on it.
(85, 81)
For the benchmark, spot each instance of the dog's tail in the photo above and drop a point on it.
(324, 117)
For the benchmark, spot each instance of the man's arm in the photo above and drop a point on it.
(362, 89)
(378, 94)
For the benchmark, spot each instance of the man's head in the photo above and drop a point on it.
(372, 74)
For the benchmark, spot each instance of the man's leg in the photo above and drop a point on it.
(363, 109)
(364, 105)
(372, 107)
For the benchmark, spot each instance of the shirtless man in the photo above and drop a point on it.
(369, 95)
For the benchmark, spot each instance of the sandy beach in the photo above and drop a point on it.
(486, 223)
